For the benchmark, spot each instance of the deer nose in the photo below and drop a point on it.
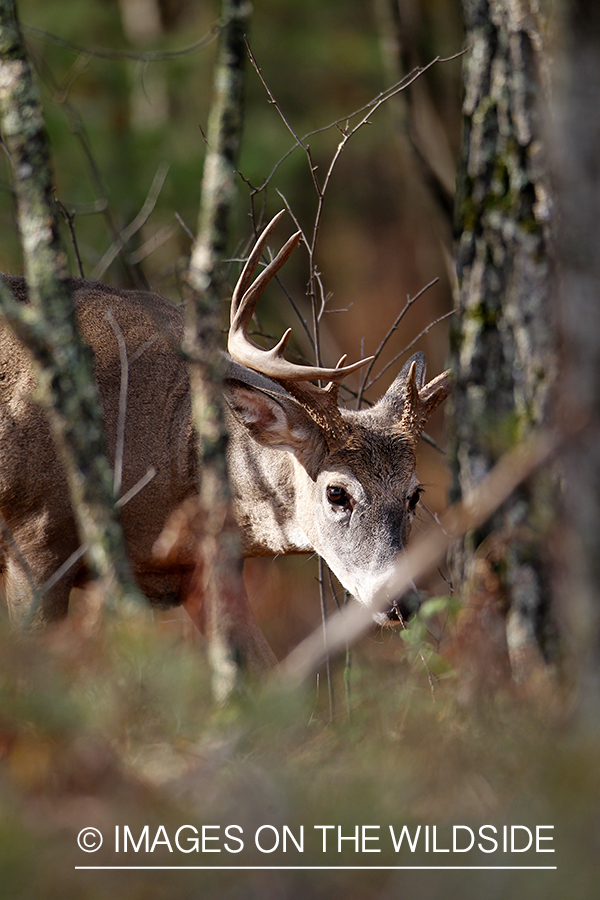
(404, 606)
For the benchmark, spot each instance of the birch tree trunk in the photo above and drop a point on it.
(502, 342)
(235, 642)
(47, 325)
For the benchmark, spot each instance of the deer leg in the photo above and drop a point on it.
(220, 609)
(33, 552)
(241, 630)
(27, 610)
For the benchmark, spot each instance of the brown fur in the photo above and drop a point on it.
(280, 462)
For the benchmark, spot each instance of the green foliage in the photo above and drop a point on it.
(438, 612)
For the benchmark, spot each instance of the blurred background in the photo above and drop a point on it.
(127, 133)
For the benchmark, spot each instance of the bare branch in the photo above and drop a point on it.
(148, 56)
(409, 347)
(69, 217)
(135, 225)
(120, 444)
(138, 486)
(409, 302)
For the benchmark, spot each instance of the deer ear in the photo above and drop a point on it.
(278, 421)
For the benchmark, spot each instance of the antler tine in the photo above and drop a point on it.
(247, 303)
(334, 386)
(245, 279)
(245, 297)
(438, 386)
(419, 403)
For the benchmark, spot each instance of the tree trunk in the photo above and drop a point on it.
(502, 342)
(223, 595)
(577, 175)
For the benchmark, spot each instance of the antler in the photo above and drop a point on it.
(246, 295)
(419, 403)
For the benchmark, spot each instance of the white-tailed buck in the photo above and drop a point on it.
(305, 474)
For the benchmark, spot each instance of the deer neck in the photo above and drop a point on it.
(266, 489)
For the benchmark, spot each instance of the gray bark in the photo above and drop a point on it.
(577, 175)
(204, 326)
(502, 341)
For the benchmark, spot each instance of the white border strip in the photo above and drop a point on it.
(321, 868)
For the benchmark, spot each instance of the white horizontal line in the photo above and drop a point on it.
(322, 868)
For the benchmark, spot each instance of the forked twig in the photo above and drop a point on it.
(315, 291)
(137, 487)
(408, 347)
(373, 104)
(135, 225)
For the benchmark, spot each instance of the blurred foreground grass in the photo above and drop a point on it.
(113, 726)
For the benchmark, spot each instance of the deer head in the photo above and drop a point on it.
(343, 483)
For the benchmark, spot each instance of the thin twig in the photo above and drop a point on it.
(430, 676)
(135, 225)
(185, 228)
(138, 486)
(408, 347)
(152, 244)
(384, 95)
(299, 141)
(68, 217)
(432, 443)
(62, 570)
(78, 129)
(148, 56)
(323, 597)
(77, 68)
(20, 558)
(409, 302)
(120, 443)
(348, 654)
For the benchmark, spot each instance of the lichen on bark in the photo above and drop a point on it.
(225, 587)
(502, 340)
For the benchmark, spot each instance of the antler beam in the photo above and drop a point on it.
(243, 303)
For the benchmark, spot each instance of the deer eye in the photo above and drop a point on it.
(337, 496)
(414, 498)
